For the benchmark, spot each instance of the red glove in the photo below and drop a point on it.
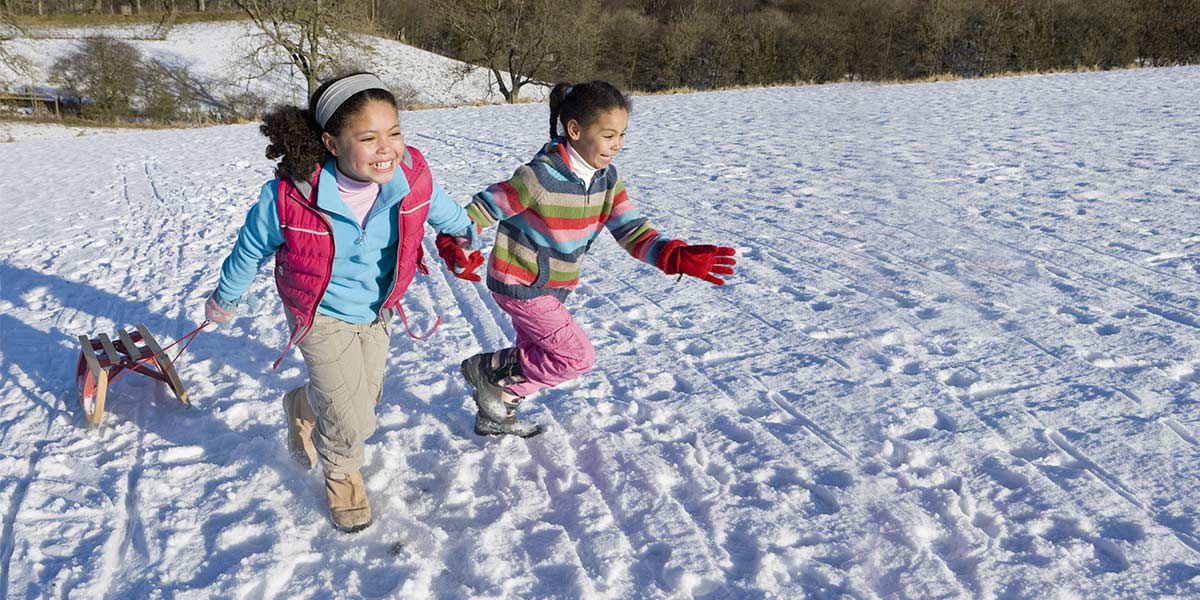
(449, 249)
(701, 261)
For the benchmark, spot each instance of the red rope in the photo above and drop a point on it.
(190, 337)
(414, 336)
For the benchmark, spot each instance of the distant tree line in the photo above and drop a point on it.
(660, 44)
(653, 45)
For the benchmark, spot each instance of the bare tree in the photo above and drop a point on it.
(10, 29)
(314, 35)
(103, 72)
(524, 41)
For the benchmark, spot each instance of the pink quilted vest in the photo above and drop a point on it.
(304, 263)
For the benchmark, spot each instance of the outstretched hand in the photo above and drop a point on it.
(703, 261)
(219, 312)
(460, 263)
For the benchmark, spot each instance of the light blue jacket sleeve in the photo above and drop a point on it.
(257, 241)
(446, 216)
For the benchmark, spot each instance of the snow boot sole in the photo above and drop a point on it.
(351, 529)
(510, 426)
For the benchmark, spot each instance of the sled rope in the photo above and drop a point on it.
(189, 337)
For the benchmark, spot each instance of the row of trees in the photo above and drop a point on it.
(659, 44)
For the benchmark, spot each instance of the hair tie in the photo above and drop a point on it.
(570, 88)
(341, 90)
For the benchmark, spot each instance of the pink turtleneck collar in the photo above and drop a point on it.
(358, 195)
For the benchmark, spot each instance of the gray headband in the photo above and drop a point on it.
(341, 90)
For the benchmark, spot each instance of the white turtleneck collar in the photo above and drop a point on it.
(580, 167)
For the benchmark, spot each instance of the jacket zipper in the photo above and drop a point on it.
(587, 189)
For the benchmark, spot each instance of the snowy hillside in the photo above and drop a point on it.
(218, 50)
(961, 359)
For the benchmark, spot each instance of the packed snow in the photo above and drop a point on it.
(960, 359)
(16, 131)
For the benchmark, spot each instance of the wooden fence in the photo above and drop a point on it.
(35, 100)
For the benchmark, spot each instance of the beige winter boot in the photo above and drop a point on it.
(348, 503)
(300, 422)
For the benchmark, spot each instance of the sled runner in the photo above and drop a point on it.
(103, 358)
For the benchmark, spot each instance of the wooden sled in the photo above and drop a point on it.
(101, 359)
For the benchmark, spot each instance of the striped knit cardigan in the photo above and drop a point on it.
(548, 218)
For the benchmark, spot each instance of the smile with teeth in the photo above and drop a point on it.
(382, 165)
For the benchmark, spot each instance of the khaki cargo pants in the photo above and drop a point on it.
(345, 381)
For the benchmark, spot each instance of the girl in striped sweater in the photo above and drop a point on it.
(547, 215)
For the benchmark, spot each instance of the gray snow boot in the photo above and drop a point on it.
(508, 426)
(477, 370)
(488, 373)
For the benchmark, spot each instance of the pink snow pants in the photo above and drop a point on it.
(552, 348)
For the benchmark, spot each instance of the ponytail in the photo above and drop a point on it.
(583, 103)
(557, 95)
(296, 139)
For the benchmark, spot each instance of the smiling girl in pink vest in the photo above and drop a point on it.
(344, 219)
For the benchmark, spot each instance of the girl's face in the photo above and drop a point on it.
(370, 145)
(599, 142)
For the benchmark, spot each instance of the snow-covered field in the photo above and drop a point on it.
(16, 131)
(216, 51)
(961, 359)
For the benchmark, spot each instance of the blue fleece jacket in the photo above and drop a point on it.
(365, 255)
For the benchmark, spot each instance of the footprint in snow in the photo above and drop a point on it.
(1107, 555)
(1081, 316)
(696, 348)
(1006, 476)
(961, 378)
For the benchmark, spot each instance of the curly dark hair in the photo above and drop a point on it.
(584, 103)
(295, 137)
